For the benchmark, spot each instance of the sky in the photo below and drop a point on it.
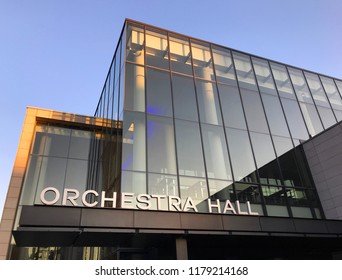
(55, 54)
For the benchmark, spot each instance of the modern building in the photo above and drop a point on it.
(196, 151)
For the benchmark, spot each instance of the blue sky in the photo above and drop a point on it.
(55, 54)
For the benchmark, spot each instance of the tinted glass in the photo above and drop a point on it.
(274, 195)
(184, 98)
(282, 145)
(224, 67)
(57, 142)
(180, 54)
(134, 88)
(189, 149)
(161, 145)
(208, 104)
(158, 94)
(247, 192)
(215, 152)
(79, 144)
(231, 106)
(156, 48)
(203, 63)
(76, 174)
(39, 140)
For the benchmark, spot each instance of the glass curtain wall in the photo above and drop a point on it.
(202, 121)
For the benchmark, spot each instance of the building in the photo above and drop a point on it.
(195, 151)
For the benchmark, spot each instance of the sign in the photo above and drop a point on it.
(139, 201)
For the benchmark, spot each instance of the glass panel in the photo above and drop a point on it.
(275, 116)
(301, 197)
(289, 169)
(333, 96)
(327, 116)
(80, 144)
(264, 76)
(294, 119)
(311, 117)
(31, 180)
(339, 86)
(282, 80)
(208, 103)
(39, 139)
(156, 48)
(282, 145)
(158, 93)
(300, 86)
(254, 111)
(224, 67)
(195, 188)
(247, 192)
(133, 182)
(277, 211)
(244, 71)
(76, 175)
(301, 212)
(317, 90)
(203, 64)
(57, 142)
(52, 174)
(231, 106)
(274, 195)
(135, 43)
(133, 143)
(215, 152)
(161, 145)
(184, 98)
(180, 54)
(189, 149)
(162, 184)
(222, 190)
(135, 88)
(241, 155)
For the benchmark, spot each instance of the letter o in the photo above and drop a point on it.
(50, 189)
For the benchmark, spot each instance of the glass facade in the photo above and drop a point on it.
(215, 122)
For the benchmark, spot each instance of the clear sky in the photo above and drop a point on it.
(55, 54)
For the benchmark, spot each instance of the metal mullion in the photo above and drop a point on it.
(199, 119)
(223, 124)
(145, 112)
(326, 95)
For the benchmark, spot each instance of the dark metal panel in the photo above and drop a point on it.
(107, 218)
(334, 226)
(201, 221)
(310, 226)
(241, 223)
(104, 238)
(277, 224)
(148, 219)
(44, 237)
(50, 216)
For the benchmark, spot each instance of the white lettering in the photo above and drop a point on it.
(212, 205)
(143, 201)
(174, 202)
(228, 207)
(51, 202)
(249, 210)
(72, 199)
(189, 204)
(104, 199)
(84, 198)
(237, 204)
(158, 197)
(127, 198)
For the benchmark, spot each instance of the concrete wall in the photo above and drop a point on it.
(324, 155)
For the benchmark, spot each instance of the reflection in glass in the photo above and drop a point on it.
(208, 104)
(282, 80)
(133, 143)
(215, 152)
(224, 67)
(317, 90)
(133, 182)
(189, 149)
(134, 88)
(275, 116)
(274, 195)
(264, 76)
(203, 64)
(333, 96)
(244, 71)
(220, 189)
(163, 184)
(311, 118)
(158, 93)
(57, 142)
(161, 145)
(79, 144)
(76, 174)
(282, 145)
(156, 48)
(254, 111)
(193, 187)
(241, 155)
(300, 86)
(180, 54)
(289, 168)
(327, 116)
(294, 119)
(231, 106)
(135, 43)
(247, 192)
(184, 98)
(39, 140)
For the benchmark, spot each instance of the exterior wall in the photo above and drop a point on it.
(324, 155)
(20, 164)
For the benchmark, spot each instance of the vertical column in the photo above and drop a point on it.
(181, 248)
